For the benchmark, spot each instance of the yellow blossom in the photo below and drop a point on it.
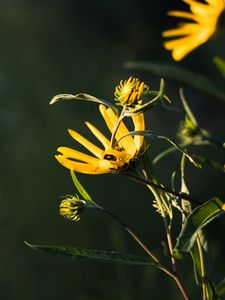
(129, 92)
(109, 159)
(189, 35)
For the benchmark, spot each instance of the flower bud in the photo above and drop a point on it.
(71, 207)
(129, 92)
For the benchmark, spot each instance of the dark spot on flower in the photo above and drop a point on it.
(110, 157)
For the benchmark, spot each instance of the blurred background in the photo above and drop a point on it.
(71, 46)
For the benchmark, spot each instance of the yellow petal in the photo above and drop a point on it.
(74, 154)
(181, 47)
(91, 147)
(80, 167)
(181, 14)
(111, 120)
(105, 142)
(139, 125)
(186, 29)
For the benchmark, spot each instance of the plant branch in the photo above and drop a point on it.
(138, 240)
(167, 190)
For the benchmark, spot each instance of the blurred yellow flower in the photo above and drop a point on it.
(129, 92)
(190, 35)
(111, 159)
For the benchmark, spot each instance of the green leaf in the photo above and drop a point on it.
(186, 205)
(198, 81)
(208, 266)
(75, 253)
(220, 64)
(156, 135)
(221, 287)
(81, 189)
(187, 109)
(198, 219)
(83, 97)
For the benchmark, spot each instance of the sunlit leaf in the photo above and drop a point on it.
(75, 253)
(198, 81)
(208, 267)
(187, 109)
(83, 97)
(81, 189)
(198, 219)
(186, 205)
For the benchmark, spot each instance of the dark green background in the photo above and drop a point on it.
(50, 47)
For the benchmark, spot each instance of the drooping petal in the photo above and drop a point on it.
(77, 155)
(105, 142)
(88, 145)
(139, 125)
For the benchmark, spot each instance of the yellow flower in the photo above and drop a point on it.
(129, 92)
(190, 35)
(110, 159)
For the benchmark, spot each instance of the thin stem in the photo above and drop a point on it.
(167, 190)
(170, 245)
(202, 263)
(138, 240)
(154, 189)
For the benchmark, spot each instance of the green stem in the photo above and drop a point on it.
(202, 263)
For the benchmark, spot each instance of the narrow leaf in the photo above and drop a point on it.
(80, 188)
(221, 287)
(220, 64)
(208, 267)
(187, 109)
(83, 97)
(75, 253)
(156, 135)
(198, 81)
(198, 219)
